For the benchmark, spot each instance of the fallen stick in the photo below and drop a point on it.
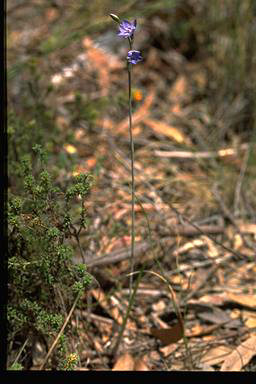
(201, 155)
(113, 257)
(140, 248)
(188, 230)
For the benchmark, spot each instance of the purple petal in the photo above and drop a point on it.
(123, 34)
(134, 56)
(125, 23)
(127, 28)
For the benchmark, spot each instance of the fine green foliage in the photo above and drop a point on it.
(42, 280)
(16, 367)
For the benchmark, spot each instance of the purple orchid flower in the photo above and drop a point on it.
(134, 56)
(127, 28)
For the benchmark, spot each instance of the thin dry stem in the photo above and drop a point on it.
(60, 332)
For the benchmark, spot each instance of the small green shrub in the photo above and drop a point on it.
(42, 280)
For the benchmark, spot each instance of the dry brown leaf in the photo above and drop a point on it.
(124, 363)
(159, 306)
(215, 316)
(199, 330)
(243, 299)
(106, 123)
(212, 249)
(120, 243)
(177, 279)
(168, 349)
(216, 355)
(159, 322)
(240, 356)
(212, 299)
(140, 365)
(168, 335)
(127, 209)
(197, 243)
(238, 242)
(195, 330)
(218, 299)
(112, 306)
(101, 58)
(167, 130)
(251, 323)
(102, 299)
(249, 318)
(136, 130)
(102, 61)
(179, 89)
(99, 348)
(235, 314)
(154, 356)
(177, 366)
(248, 228)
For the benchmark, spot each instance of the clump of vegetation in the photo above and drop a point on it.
(42, 280)
(70, 362)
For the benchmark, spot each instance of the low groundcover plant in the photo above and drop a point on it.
(42, 280)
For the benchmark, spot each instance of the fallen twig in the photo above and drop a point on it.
(189, 230)
(225, 152)
(60, 332)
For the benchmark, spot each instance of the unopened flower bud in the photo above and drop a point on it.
(114, 17)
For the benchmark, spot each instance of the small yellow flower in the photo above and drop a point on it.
(72, 358)
(70, 148)
(71, 361)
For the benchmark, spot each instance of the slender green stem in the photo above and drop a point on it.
(129, 68)
(132, 174)
(131, 293)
